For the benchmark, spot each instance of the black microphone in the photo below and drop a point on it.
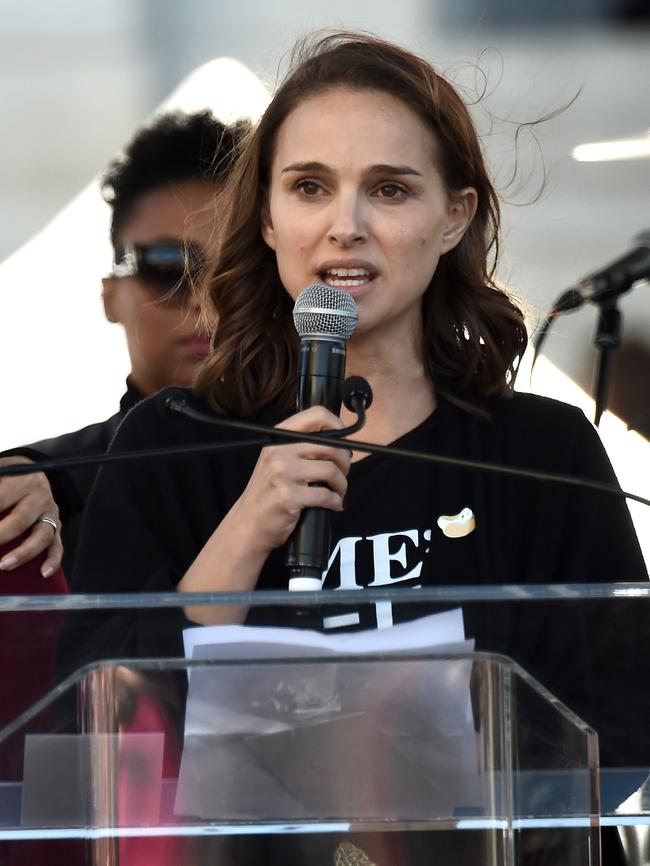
(325, 318)
(613, 280)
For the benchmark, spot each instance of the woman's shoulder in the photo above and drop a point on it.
(170, 416)
(179, 416)
(542, 430)
(527, 426)
(531, 410)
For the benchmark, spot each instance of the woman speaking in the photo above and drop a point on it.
(365, 175)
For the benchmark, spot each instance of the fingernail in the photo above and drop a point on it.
(8, 562)
(48, 572)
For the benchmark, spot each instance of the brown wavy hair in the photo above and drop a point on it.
(474, 333)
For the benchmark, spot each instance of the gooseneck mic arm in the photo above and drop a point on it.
(357, 396)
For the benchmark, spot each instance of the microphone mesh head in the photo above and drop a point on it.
(323, 311)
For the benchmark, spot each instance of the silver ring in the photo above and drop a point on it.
(50, 522)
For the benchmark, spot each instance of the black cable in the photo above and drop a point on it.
(539, 340)
(568, 301)
(370, 448)
(283, 437)
(272, 436)
(182, 408)
(127, 456)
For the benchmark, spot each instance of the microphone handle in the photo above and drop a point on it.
(321, 373)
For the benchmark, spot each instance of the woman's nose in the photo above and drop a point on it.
(348, 226)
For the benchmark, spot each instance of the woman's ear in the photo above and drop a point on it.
(108, 298)
(266, 225)
(460, 213)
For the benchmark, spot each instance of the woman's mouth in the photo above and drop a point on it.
(198, 345)
(346, 278)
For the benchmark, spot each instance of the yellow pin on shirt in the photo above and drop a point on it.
(457, 525)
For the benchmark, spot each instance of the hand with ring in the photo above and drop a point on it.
(30, 516)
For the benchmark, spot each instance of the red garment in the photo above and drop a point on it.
(149, 718)
(27, 642)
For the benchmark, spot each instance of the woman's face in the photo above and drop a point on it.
(165, 344)
(356, 201)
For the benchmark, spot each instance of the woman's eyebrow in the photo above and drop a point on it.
(306, 166)
(381, 168)
(384, 168)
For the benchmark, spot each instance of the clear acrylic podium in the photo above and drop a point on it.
(423, 757)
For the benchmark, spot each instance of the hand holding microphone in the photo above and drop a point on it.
(290, 479)
(294, 488)
(287, 479)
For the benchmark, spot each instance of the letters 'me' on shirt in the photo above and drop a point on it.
(406, 523)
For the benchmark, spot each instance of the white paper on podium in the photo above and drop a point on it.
(222, 704)
(427, 632)
(415, 712)
(231, 705)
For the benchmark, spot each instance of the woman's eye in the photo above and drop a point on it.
(392, 190)
(308, 187)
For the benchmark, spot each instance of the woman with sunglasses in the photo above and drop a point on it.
(364, 174)
(163, 218)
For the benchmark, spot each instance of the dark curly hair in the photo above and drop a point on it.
(474, 333)
(175, 147)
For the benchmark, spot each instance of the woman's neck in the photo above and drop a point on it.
(403, 394)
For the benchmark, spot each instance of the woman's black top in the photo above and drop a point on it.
(146, 522)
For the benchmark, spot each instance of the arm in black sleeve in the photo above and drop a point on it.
(138, 535)
(592, 653)
(71, 487)
(558, 533)
(65, 492)
(616, 630)
(600, 542)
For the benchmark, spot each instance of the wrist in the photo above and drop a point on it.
(230, 561)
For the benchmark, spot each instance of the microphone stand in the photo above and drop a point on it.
(607, 339)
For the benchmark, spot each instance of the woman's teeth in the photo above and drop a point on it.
(346, 277)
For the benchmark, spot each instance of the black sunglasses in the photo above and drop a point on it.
(168, 267)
